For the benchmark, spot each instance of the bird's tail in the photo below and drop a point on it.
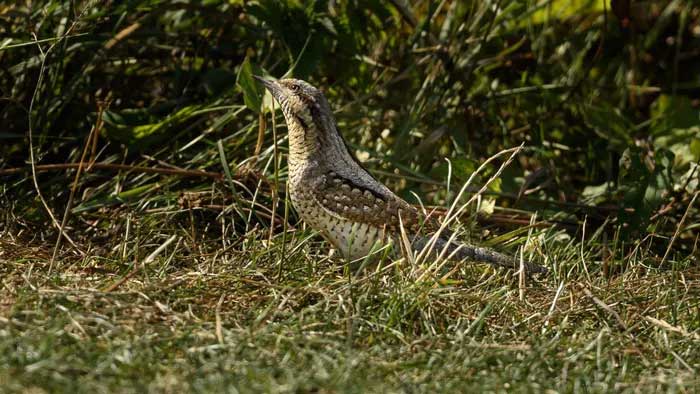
(462, 251)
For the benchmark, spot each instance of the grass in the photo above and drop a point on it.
(231, 314)
(188, 271)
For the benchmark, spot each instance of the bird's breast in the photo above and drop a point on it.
(353, 239)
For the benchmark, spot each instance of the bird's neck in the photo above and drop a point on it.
(303, 144)
(316, 144)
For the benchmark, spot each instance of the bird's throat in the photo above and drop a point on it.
(303, 142)
(312, 145)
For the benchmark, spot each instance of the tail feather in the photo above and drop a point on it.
(462, 251)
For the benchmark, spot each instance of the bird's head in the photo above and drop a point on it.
(305, 108)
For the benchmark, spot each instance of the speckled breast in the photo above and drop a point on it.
(354, 240)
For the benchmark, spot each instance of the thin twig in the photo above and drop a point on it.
(116, 167)
(678, 229)
(124, 33)
(30, 127)
(73, 189)
(606, 307)
(219, 327)
(407, 15)
(139, 267)
(275, 188)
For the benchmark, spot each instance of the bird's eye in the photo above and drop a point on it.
(295, 88)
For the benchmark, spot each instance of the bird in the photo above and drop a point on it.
(336, 196)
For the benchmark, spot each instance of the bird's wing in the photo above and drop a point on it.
(374, 205)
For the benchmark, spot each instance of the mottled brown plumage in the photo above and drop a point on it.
(360, 204)
(336, 196)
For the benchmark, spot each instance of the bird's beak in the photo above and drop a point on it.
(272, 86)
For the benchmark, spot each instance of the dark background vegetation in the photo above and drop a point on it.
(604, 97)
(605, 100)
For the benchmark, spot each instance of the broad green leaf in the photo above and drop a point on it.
(562, 9)
(683, 143)
(252, 89)
(595, 194)
(610, 124)
(643, 182)
(669, 112)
